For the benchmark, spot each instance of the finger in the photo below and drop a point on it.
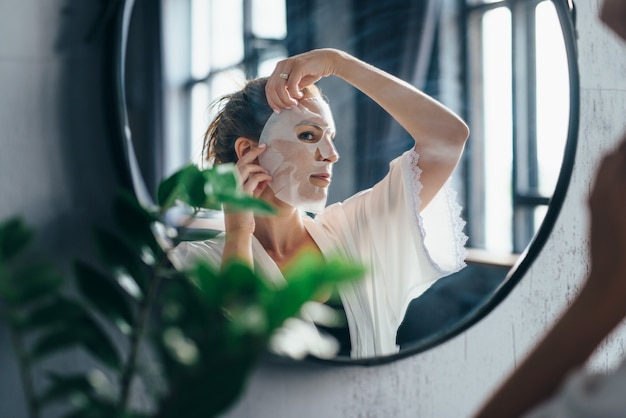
(276, 88)
(256, 183)
(293, 87)
(245, 171)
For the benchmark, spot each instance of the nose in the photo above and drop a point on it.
(326, 151)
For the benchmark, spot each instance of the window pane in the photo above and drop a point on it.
(539, 214)
(552, 95)
(200, 34)
(266, 66)
(226, 40)
(198, 119)
(498, 127)
(269, 19)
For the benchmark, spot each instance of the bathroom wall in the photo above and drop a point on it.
(453, 379)
(57, 170)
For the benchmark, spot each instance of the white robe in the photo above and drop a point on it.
(404, 251)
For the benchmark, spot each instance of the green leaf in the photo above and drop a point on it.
(247, 202)
(169, 189)
(135, 222)
(14, 236)
(34, 281)
(224, 188)
(186, 185)
(63, 388)
(58, 312)
(223, 179)
(239, 277)
(121, 258)
(307, 275)
(81, 389)
(193, 183)
(94, 407)
(54, 341)
(83, 331)
(105, 294)
(206, 278)
(224, 379)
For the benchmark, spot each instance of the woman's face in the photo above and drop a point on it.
(300, 154)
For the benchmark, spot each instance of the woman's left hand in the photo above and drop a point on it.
(291, 75)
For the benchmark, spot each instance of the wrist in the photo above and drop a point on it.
(342, 63)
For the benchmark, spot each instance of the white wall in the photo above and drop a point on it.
(452, 380)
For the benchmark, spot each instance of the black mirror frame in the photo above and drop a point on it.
(123, 146)
(133, 180)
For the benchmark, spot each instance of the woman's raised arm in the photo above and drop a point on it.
(439, 134)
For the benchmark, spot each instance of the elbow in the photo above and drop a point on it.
(460, 132)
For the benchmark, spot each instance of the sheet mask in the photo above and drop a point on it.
(291, 161)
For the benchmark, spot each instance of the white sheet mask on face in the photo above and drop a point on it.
(300, 168)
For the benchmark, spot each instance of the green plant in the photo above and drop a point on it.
(205, 329)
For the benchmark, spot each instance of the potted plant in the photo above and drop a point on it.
(202, 330)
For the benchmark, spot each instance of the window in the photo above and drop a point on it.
(517, 90)
(212, 47)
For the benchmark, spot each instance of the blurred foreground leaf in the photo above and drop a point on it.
(81, 330)
(104, 294)
(14, 236)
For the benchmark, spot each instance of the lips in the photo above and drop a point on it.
(321, 178)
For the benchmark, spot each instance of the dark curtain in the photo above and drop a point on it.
(398, 36)
(300, 26)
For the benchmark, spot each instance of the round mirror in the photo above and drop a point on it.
(508, 68)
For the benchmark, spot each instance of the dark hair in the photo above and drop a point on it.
(240, 114)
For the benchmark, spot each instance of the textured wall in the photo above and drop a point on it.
(452, 380)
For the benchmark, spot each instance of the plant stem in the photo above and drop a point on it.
(138, 331)
(140, 325)
(25, 371)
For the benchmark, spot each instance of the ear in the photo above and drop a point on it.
(243, 145)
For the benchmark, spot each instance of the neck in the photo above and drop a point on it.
(283, 233)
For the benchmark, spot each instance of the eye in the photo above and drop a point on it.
(307, 136)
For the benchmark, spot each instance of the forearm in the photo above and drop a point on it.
(566, 347)
(238, 247)
(239, 227)
(422, 116)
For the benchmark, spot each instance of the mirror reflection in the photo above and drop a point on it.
(483, 61)
(405, 230)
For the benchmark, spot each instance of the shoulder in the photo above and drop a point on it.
(187, 252)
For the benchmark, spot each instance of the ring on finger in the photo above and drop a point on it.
(284, 76)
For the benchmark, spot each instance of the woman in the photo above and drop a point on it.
(285, 157)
